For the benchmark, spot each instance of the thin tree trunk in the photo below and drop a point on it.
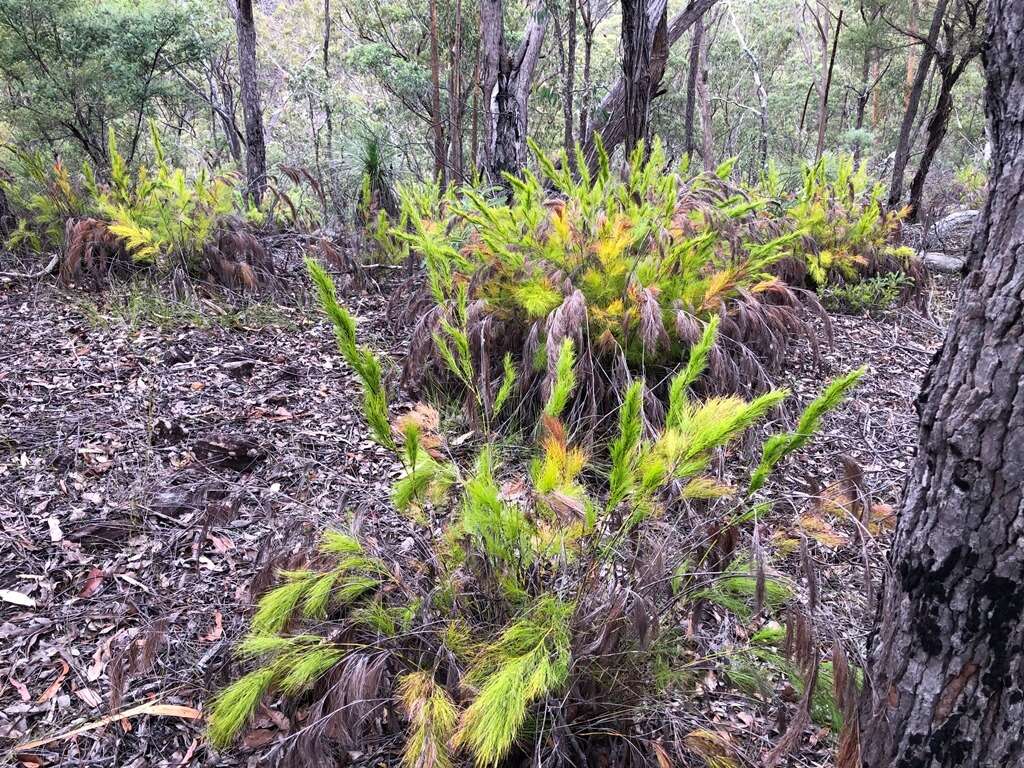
(255, 148)
(936, 132)
(589, 25)
(703, 97)
(904, 144)
(946, 663)
(570, 82)
(435, 99)
(328, 125)
(762, 97)
(823, 106)
(455, 88)
(691, 83)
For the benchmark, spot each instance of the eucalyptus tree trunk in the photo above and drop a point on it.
(255, 148)
(610, 116)
(944, 685)
(455, 91)
(435, 99)
(505, 82)
(905, 142)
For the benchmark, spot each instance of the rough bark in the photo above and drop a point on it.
(637, 44)
(505, 82)
(255, 148)
(905, 142)
(946, 674)
(610, 116)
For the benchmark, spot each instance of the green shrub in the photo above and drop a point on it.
(871, 293)
(848, 236)
(632, 270)
(530, 610)
(157, 217)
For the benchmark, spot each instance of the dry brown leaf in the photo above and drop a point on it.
(149, 708)
(93, 582)
(55, 685)
(821, 531)
(218, 628)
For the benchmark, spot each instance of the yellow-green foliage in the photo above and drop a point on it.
(163, 215)
(638, 256)
(528, 661)
(432, 719)
(487, 621)
(840, 209)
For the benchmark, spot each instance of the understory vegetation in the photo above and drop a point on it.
(160, 218)
(631, 269)
(548, 614)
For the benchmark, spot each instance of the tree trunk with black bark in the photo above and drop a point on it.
(610, 116)
(255, 149)
(505, 81)
(636, 70)
(946, 674)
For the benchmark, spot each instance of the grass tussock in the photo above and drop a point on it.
(537, 613)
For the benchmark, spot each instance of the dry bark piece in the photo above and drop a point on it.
(239, 452)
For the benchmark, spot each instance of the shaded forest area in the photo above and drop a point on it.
(550, 383)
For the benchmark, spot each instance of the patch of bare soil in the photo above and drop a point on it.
(151, 480)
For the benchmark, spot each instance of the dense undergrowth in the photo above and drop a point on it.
(158, 218)
(632, 269)
(547, 615)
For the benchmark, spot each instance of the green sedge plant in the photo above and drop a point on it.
(537, 604)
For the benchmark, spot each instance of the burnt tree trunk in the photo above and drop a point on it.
(946, 674)
(636, 70)
(505, 81)
(255, 149)
(905, 142)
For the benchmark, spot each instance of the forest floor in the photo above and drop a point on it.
(152, 463)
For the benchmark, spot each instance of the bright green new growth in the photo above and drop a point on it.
(696, 363)
(565, 380)
(624, 450)
(360, 359)
(777, 447)
(235, 704)
(530, 660)
(432, 718)
(507, 383)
